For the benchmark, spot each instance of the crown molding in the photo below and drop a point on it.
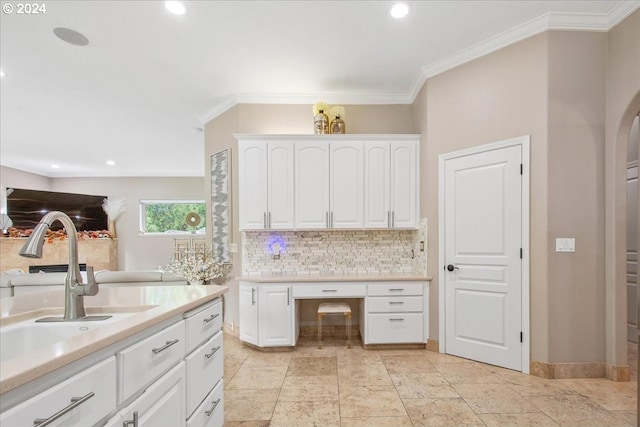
(548, 22)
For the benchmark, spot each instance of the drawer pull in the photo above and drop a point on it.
(210, 318)
(397, 289)
(213, 408)
(396, 302)
(75, 402)
(133, 422)
(165, 346)
(396, 320)
(215, 350)
(329, 290)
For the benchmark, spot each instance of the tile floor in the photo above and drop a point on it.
(335, 386)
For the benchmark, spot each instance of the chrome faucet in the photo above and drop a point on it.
(74, 289)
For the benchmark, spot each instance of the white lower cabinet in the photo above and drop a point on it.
(210, 413)
(204, 368)
(82, 400)
(266, 315)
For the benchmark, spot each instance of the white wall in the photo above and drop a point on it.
(135, 252)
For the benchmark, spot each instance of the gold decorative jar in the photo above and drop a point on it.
(337, 125)
(320, 123)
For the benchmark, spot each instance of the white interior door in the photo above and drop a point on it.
(632, 254)
(483, 240)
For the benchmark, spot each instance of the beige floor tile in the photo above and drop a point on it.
(314, 351)
(259, 377)
(358, 356)
(359, 375)
(422, 386)
(441, 358)
(467, 373)
(303, 414)
(377, 422)
(255, 423)
(268, 359)
(370, 401)
(309, 388)
(248, 405)
(517, 420)
(630, 417)
(611, 395)
(529, 385)
(574, 410)
(312, 366)
(404, 352)
(445, 412)
(493, 399)
(408, 364)
(231, 366)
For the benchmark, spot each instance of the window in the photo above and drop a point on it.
(172, 216)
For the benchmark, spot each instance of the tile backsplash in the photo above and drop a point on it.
(326, 252)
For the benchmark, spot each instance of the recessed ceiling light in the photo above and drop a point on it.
(54, 166)
(175, 7)
(70, 36)
(111, 162)
(399, 10)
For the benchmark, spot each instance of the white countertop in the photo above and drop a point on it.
(165, 302)
(289, 278)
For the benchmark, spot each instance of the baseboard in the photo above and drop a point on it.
(433, 345)
(579, 370)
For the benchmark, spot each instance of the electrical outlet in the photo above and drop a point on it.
(421, 245)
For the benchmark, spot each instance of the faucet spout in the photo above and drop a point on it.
(74, 288)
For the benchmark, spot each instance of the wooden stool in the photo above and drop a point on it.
(328, 308)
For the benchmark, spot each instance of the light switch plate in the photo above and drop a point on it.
(565, 244)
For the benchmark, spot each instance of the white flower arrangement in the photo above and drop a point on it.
(320, 106)
(196, 265)
(337, 110)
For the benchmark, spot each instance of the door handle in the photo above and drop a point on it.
(452, 267)
(253, 296)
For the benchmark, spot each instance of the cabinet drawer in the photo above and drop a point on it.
(99, 380)
(211, 412)
(203, 324)
(145, 361)
(395, 328)
(395, 289)
(204, 370)
(328, 290)
(394, 304)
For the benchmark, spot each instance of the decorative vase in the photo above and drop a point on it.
(320, 123)
(112, 228)
(337, 125)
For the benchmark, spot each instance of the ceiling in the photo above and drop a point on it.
(141, 91)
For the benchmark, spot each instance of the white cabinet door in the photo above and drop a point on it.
(377, 210)
(311, 185)
(162, 404)
(280, 185)
(248, 308)
(404, 184)
(275, 315)
(252, 182)
(346, 182)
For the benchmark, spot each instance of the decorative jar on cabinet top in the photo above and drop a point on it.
(320, 123)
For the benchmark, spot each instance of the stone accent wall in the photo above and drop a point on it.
(336, 252)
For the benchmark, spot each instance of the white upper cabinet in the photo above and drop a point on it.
(266, 184)
(346, 182)
(312, 185)
(328, 181)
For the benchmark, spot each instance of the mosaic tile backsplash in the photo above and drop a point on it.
(334, 252)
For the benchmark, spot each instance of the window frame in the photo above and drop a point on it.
(142, 217)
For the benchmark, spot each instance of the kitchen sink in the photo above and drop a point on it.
(27, 336)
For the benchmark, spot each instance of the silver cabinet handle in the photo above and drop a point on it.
(396, 320)
(396, 289)
(329, 290)
(133, 422)
(331, 219)
(389, 219)
(213, 351)
(393, 219)
(213, 408)
(396, 302)
(288, 297)
(269, 219)
(264, 220)
(326, 219)
(210, 318)
(253, 296)
(165, 346)
(75, 402)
